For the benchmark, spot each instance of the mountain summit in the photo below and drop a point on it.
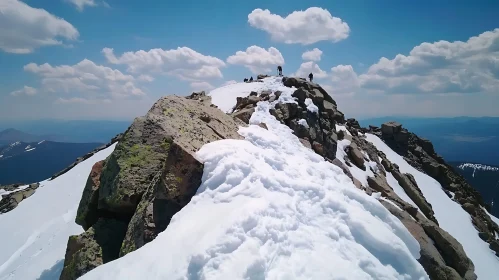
(259, 180)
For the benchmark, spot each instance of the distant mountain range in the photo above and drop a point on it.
(483, 178)
(461, 139)
(82, 131)
(22, 162)
(11, 135)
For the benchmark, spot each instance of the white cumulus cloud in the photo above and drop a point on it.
(182, 62)
(313, 55)
(26, 28)
(300, 27)
(310, 67)
(26, 90)
(257, 60)
(440, 67)
(85, 77)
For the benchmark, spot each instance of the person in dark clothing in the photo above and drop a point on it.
(279, 69)
(245, 80)
(311, 76)
(251, 79)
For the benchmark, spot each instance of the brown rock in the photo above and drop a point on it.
(87, 209)
(244, 114)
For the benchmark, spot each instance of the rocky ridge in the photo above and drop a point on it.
(131, 196)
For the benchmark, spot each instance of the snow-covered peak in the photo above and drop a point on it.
(478, 166)
(270, 208)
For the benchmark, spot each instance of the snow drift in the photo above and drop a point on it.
(34, 235)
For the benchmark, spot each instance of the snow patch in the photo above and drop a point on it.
(28, 150)
(303, 122)
(311, 106)
(450, 215)
(40, 142)
(34, 235)
(270, 208)
(477, 166)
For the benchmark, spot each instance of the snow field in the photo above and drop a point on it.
(450, 215)
(34, 235)
(269, 208)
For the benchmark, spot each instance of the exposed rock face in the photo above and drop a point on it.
(11, 200)
(420, 154)
(149, 177)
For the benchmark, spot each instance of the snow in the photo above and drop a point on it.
(15, 144)
(450, 215)
(40, 142)
(27, 147)
(270, 208)
(1, 156)
(311, 106)
(303, 122)
(477, 166)
(28, 150)
(36, 232)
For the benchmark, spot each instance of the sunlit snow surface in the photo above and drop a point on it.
(450, 215)
(269, 208)
(34, 235)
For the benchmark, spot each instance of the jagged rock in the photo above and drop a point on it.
(262, 76)
(430, 258)
(244, 114)
(450, 249)
(302, 83)
(263, 125)
(253, 93)
(200, 96)
(301, 94)
(414, 193)
(470, 208)
(100, 244)
(317, 147)
(402, 137)
(12, 200)
(288, 110)
(494, 245)
(356, 156)
(379, 184)
(390, 128)
(299, 130)
(87, 209)
(167, 193)
(353, 123)
(152, 172)
(431, 168)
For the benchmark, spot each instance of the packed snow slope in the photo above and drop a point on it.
(34, 235)
(450, 215)
(270, 208)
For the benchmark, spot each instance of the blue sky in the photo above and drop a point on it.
(84, 79)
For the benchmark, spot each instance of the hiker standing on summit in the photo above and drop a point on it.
(311, 76)
(279, 69)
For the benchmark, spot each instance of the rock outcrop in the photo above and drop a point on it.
(14, 196)
(420, 154)
(131, 196)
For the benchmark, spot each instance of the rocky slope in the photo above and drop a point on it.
(153, 173)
